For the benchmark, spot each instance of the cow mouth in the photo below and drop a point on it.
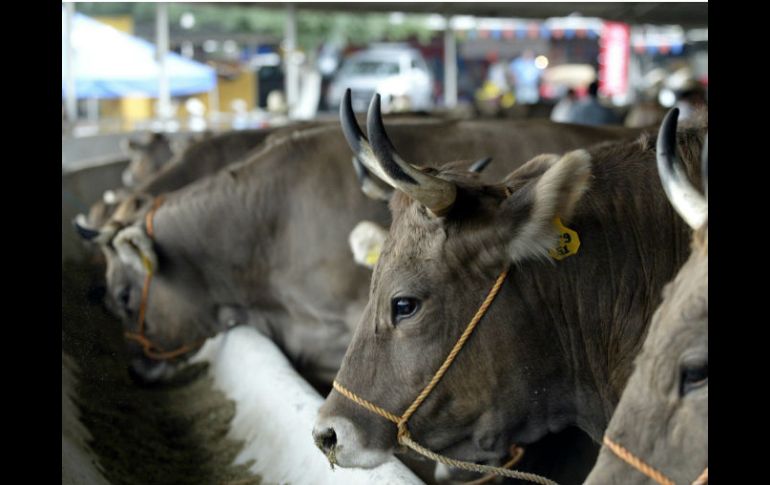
(464, 449)
(147, 372)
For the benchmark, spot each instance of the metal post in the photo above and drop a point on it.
(450, 65)
(213, 113)
(70, 95)
(92, 108)
(291, 70)
(161, 39)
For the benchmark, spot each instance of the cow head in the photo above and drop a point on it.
(117, 209)
(177, 313)
(662, 417)
(450, 238)
(147, 157)
(367, 237)
(103, 211)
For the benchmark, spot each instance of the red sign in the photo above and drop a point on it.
(614, 49)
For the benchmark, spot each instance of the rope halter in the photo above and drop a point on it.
(153, 351)
(403, 435)
(644, 468)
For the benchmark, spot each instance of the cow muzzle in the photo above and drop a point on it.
(339, 440)
(145, 372)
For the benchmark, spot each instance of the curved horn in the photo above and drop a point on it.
(356, 138)
(434, 193)
(687, 201)
(100, 236)
(369, 186)
(479, 165)
(85, 232)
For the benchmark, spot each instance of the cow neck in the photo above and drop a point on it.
(607, 295)
(212, 226)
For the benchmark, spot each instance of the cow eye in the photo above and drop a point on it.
(403, 307)
(693, 377)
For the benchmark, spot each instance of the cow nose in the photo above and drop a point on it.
(325, 439)
(145, 372)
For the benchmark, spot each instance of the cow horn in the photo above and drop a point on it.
(434, 193)
(99, 236)
(369, 186)
(479, 165)
(85, 232)
(356, 138)
(687, 201)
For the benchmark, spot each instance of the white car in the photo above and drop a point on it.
(398, 73)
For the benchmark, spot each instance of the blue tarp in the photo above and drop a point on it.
(111, 64)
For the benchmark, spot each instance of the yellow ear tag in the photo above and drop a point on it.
(569, 241)
(146, 263)
(373, 255)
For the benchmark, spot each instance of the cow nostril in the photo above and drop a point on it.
(326, 440)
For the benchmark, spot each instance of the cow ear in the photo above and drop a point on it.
(135, 249)
(366, 241)
(544, 189)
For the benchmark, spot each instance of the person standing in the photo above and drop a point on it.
(560, 113)
(589, 111)
(526, 77)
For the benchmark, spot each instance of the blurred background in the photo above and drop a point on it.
(192, 67)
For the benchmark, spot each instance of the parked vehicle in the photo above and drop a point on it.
(398, 72)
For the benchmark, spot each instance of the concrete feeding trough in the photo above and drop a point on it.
(275, 411)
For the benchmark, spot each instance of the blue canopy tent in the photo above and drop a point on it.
(111, 64)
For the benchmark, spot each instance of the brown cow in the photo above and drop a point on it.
(662, 417)
(556, 346)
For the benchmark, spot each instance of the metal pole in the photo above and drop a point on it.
(291, 71)
(161, 38)
(450, 65)
(213, 113)
(70, 95)
(93, 109)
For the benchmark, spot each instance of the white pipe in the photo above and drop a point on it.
(161, 39)
(275, 409)
(450, 66)
(70, 95)
(291, 69)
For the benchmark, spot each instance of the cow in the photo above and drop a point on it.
(263, 242)
(554, 349)
(147, 155)
(662, 417)
(200, 157)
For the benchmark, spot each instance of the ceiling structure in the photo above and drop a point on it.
(689, 14)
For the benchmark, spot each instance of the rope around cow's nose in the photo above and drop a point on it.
(405, 439)
(646, 469)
